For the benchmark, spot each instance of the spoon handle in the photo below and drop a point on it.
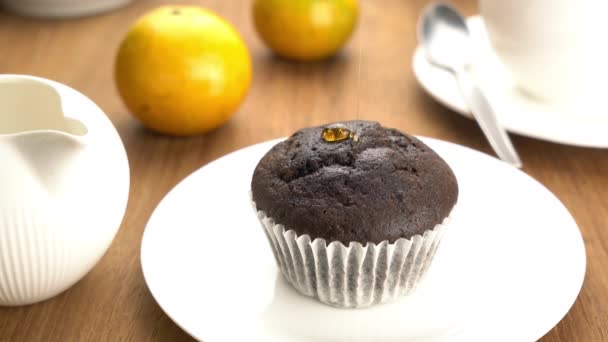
(486, 118)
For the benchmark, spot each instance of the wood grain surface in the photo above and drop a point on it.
(112, 302)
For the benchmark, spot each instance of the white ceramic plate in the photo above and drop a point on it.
(583, 122)
(509, 268)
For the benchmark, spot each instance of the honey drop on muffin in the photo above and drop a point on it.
(338, 133)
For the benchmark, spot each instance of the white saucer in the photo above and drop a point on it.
(509, 268)
(583, 123)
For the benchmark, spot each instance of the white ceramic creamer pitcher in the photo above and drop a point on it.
(64, 184)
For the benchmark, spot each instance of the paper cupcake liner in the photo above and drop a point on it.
(355, 276)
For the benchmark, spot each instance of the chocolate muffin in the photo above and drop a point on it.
(359, 187)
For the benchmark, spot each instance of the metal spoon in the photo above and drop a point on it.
(446, 40)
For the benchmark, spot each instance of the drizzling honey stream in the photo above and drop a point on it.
(338, 132)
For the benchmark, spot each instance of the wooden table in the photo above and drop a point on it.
(113, 303)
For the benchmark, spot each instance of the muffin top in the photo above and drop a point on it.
(376, 184)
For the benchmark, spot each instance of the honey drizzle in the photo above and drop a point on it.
(359, 62)
(337, 133)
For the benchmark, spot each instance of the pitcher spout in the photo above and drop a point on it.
(45, 157)
(38, 141)
(28, 105)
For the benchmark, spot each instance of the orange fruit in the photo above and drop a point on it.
(182, 70)
(305, 30)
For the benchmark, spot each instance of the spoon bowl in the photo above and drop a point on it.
(446, 36)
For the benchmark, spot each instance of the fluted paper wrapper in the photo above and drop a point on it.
(352, 276)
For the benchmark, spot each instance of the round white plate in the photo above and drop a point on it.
(582, 123)
(509, 268)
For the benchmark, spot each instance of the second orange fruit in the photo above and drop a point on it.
(305, 30)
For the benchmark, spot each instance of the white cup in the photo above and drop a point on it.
(556, 50)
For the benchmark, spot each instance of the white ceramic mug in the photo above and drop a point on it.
(555, 49)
